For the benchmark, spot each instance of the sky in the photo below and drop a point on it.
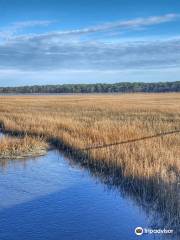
(68, 41)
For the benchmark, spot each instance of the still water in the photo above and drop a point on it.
(51, 198)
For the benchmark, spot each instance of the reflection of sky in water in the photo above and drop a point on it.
(46, 198)
(35, 178)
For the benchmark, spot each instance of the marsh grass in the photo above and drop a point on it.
(13, 148)
(73, 123)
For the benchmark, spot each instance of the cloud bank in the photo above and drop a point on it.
(66, 51)
(31, 55)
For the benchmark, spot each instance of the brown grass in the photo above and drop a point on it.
(76, 122)
(11, 147)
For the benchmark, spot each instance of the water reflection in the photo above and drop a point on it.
(160, 200)
(48, 174)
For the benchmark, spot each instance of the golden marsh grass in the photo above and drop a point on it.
(11, 147)
(77, 122)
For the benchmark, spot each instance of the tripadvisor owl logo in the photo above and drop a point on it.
(139, 231)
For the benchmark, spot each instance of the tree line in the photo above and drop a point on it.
(123, 87)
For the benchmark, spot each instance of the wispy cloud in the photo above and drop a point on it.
(34, 23)
(130, 24)
(133, 24)
(16, 27)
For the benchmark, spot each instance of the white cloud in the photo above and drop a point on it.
(133, 24)
(30, 54)
(130, 24)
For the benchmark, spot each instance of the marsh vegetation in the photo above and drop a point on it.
(12, 147)
(77, 122)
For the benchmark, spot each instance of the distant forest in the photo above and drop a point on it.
(123, 87)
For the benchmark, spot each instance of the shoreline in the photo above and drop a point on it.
(19, 147)
(24, 155)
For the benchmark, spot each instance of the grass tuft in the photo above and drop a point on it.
(11, 147)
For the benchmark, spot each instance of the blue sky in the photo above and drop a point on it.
(51, 41)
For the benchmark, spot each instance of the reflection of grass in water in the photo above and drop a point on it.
(23, 161)
(160, 200)
(76, 122)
